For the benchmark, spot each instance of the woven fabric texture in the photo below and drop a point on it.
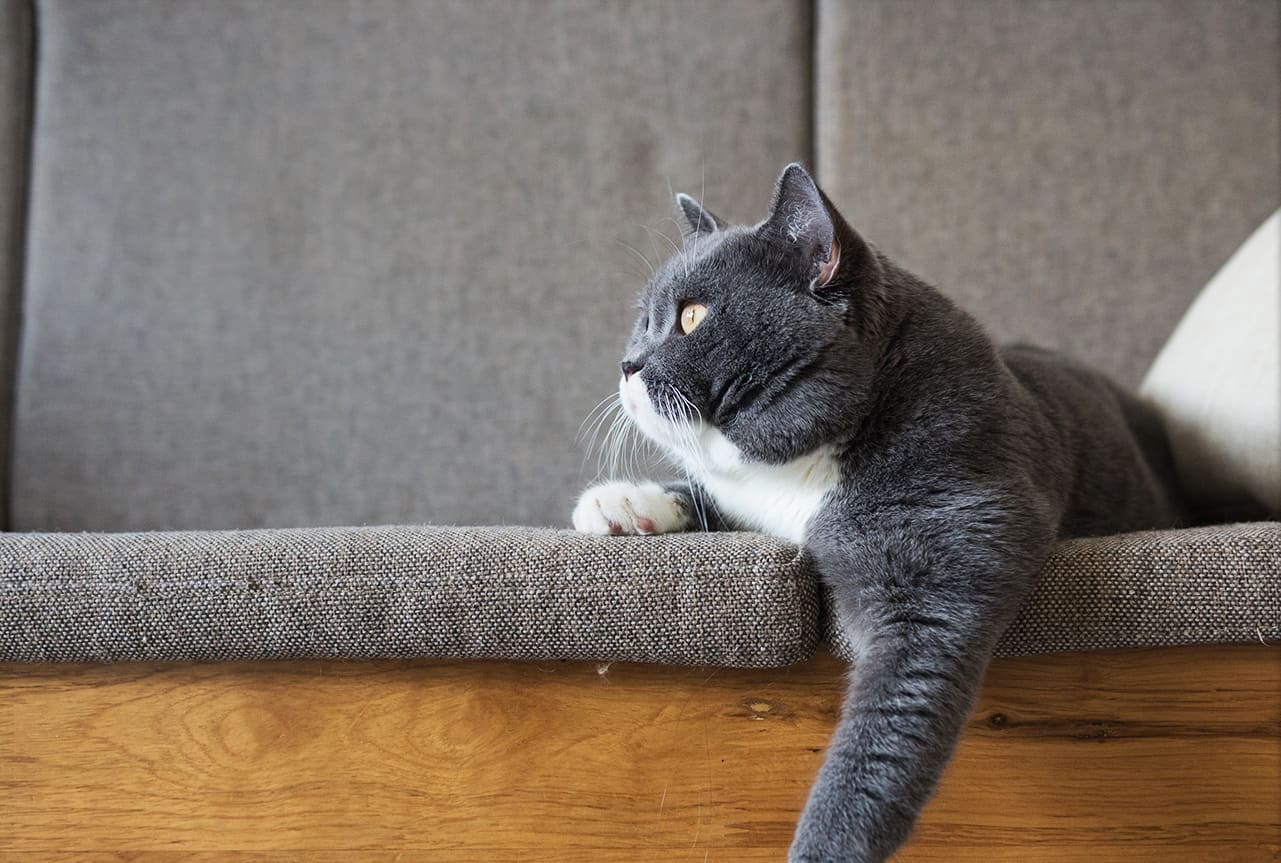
(724, 599)
(16, 63)
(733, 600)
(1206, 585)
(1070, 173)
(383, 236)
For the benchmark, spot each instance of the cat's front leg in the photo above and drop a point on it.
(629, 508)
(902, 718)
(926, 616)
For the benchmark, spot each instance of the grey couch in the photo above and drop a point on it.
(271, 267)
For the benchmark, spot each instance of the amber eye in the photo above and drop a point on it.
(692, 315)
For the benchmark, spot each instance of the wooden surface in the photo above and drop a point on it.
(1169, 755)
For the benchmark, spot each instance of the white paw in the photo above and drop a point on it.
(628, 508)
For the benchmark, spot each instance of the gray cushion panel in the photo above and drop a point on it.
(1071, 173)
(736, 600)
(1208, 585)
(356, 261)
(16, 37)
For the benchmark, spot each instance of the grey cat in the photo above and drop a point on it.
(812, 389)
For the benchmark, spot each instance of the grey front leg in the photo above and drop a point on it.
(924, 596)
(911, 692)
(703, 514)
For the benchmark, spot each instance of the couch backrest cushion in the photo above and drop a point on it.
(1072, 173)
(16, 37)
(307, 263)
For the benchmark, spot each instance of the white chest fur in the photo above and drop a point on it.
(776, 499)
(773, 499)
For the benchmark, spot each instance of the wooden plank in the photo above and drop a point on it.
(1167, 754)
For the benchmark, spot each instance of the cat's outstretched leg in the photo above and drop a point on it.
(925, 619)
(628, 508)
(903, 715)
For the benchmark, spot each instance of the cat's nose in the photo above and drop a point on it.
(631, 367)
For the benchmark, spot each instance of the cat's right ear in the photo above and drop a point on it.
(802, 217)
(799, 217)
(699, 219)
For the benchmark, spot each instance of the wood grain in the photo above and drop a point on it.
(1170, 755)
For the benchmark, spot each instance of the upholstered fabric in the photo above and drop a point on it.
(736, 600)
(15, 116)
(358, 261)
(1071, 173)
(709, 599)
(1154, 589)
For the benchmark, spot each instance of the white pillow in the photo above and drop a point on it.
(1217, 380)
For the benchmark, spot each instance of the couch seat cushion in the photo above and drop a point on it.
(518, 593)
(725, 599)
(1205, 585)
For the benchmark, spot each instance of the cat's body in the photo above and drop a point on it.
(825, 395)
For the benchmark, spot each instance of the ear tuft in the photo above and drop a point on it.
(699, 218)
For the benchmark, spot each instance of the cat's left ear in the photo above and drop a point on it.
(803, 218)
(699, 219)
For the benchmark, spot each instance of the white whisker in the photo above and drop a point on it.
(653, 245)
(605, 455)
(702, 192)
(619, 433)
(671, 196)
(603, 412)
(675, 248)
(677, 251)
(679, 229)
(602, 406)
(629, 247)
(694, 452)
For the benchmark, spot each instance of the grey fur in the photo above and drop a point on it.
(960, 467)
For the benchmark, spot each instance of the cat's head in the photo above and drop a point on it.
(752, 343)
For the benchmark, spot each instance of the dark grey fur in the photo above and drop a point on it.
(961, 465)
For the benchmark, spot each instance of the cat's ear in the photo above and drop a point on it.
(699, 219)
(799, 217)
(803, 218)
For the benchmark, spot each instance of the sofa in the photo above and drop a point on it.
(305, 302)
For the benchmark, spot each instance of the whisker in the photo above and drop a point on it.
(617, 439)
(603, 405)
(675, 249)
(637, 447)
(671, 196)
(592, 423)
(702, 191)
(629, 247)
(689, 415)
(682, 230)
(610, 406)
(626, 274)
(684, 261)
(653, 245)
(702, 194)
(603, 453)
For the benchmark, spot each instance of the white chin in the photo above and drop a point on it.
(640, 408)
